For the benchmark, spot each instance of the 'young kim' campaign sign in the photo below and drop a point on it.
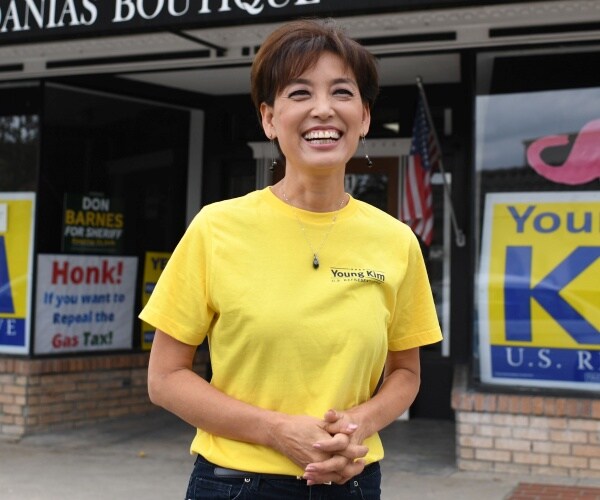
(16, 267)
(539, 290)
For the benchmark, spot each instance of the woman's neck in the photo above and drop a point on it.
(314, 195)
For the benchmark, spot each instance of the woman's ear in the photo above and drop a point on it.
(266, 114)
(366, 120)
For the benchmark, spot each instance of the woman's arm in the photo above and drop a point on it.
(173, 385)
(401, 381)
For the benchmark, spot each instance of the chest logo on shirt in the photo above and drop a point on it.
(339, 274)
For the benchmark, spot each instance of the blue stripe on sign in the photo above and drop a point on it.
(545, 363)
(12, 331)
(6, 300)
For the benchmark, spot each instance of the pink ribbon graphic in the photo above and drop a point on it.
(583, 163)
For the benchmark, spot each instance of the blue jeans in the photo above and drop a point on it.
(205, 485)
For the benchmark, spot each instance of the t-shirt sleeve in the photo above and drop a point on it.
(179, 304)
(414, 322)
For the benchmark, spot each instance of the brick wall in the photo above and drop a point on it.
(526, 434)
(41, 394)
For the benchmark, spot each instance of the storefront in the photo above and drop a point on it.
(120, 119)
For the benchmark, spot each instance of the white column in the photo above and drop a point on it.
(195, 164)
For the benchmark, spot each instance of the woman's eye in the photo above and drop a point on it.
(344, 92)
(298, 94)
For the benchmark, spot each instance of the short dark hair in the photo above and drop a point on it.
(294, 47)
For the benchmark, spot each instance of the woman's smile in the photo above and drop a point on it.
(327, 136)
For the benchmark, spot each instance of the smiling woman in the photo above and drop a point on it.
(294, 406)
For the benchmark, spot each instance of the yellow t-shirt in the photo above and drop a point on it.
(282, 335)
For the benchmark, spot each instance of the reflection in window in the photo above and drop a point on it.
(532, 141)
(371, 188)
(19, 146)
(507, 125)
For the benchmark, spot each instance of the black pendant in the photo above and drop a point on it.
(316, 262)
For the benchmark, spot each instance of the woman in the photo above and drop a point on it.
(306, 295)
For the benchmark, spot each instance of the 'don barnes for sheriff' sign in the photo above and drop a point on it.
(538, 294)
(34, 20)
(92, 223)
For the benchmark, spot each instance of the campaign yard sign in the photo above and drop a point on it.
(539, 290)
(92, 224)
(84, 303)
(154, 264)
(17, 211)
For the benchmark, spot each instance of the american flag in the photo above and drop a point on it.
(417, 206)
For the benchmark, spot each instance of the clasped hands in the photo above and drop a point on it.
(329, 450)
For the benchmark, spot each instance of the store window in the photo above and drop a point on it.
(538, 218)
(111, 205)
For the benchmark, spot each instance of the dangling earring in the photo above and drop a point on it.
(274, 155)
(364, 144)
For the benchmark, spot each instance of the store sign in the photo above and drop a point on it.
(154, 264)
(26, 20)
(84, 303)
(538, 290)
(17, 212)
(92, 224)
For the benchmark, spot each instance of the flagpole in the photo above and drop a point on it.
(401, 189)
(459, 236)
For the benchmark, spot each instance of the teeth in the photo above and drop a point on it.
(322, 134)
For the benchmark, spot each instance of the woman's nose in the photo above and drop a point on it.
(322, 106)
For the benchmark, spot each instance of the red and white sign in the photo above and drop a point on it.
(84, 303)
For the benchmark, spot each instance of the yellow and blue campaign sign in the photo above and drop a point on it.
(16, 256)
(154, 263)
(539, 290)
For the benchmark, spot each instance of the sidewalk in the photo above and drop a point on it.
(147, 457)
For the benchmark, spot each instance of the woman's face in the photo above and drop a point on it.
(319, 117)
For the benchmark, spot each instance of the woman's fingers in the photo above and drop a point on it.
(340, 444)
(337, 469)
(343, 465)
(331, 416)
(336, 422)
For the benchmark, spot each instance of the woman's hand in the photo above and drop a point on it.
(294, 436)
(397, 392)
(345, 447)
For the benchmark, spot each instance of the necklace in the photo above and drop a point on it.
(315, 262)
